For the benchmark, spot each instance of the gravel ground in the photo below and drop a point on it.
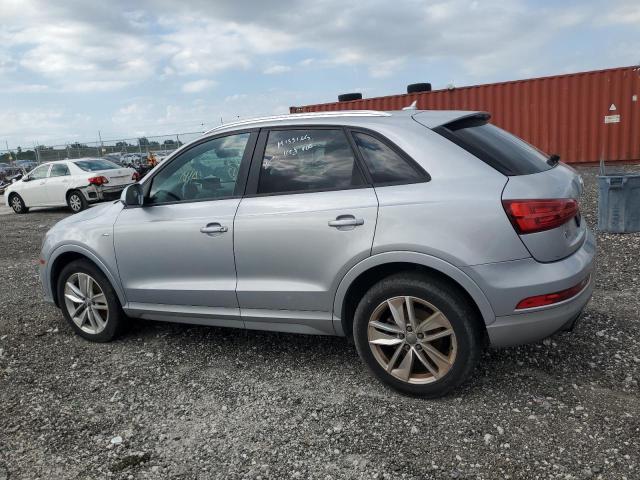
(175, 401)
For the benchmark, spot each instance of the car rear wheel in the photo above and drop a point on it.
(417, 335)
(89, 303)
(76, 201)
(17, 204)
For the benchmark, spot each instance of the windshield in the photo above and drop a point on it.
(95, 165)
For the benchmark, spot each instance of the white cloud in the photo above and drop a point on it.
(624, 12)
(276, 69)
(198, 86)
(171, 50)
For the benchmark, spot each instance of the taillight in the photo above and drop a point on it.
(530, 216)
(135, 177)
(98, 180)
(551, 298)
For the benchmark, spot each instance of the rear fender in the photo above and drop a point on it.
(429, 261)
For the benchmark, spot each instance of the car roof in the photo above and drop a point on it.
(428, 118)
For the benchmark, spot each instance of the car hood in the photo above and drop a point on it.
(108, 211)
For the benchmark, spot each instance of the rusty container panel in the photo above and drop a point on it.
(583, 117)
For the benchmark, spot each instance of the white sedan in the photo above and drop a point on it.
(75, 183)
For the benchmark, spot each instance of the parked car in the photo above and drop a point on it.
(75, 183)
(9, 176)
(27, 165)
(421, 235)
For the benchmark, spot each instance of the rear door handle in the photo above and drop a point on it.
(210, 228)
(346, 221)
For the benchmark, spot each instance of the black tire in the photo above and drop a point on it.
(116, 319)
(418, 87)
(17, 204)
(451, 302)
(347, 97)
(76, 201)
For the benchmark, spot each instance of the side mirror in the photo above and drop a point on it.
(132, 196)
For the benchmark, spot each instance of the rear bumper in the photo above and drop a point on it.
(506, 283)
(95, 193)
(532, 326)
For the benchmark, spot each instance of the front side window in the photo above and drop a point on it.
(208, 171)
(39, 173)
(59, 170)
(307, 159)
(384, 164)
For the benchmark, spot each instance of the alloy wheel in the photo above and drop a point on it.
(16, 204)
(86, 303)
(412, 340)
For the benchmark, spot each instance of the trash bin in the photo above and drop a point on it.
(619, 203)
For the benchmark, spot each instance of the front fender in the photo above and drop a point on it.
(429, 261)
(82, 250)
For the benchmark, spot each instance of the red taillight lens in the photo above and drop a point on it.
(529, 216)
(98, 180)
(551, 298)
(135, 177)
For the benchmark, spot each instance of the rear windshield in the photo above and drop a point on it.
(95, 165)
(505, 152)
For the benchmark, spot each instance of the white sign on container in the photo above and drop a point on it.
(612, 119)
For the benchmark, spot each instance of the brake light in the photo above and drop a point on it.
(98, 180)
(135, 177)
(551, 298)
(530, 216)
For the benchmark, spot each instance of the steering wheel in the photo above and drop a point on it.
(190, 189)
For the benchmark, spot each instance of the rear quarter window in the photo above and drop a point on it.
(385, 165)
(498, 148)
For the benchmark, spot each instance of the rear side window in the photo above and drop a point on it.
(384, 164)
(307, 159)
(59, 170)
(505, 152)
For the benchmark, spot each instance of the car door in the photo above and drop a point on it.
(175, 253)
(58, 184)
(34, 191)
(307, 218)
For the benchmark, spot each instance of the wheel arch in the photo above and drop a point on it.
(363, 275)
(70, 190)
(67, 254)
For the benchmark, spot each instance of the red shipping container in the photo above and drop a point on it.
(583, 117)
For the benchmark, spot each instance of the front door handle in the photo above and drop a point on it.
(210, 228)
(346, 221)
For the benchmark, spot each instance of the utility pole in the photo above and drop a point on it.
(101, 145)
(6, 142)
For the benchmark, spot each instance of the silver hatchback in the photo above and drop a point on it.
(422, 235)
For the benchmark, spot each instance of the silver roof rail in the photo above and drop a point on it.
(295, 116)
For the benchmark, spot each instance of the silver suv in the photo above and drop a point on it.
(421, 235)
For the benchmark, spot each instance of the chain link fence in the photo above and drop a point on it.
(160, 146)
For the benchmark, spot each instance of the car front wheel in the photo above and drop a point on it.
(417, 335)
(89, 303)
(17, 204)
